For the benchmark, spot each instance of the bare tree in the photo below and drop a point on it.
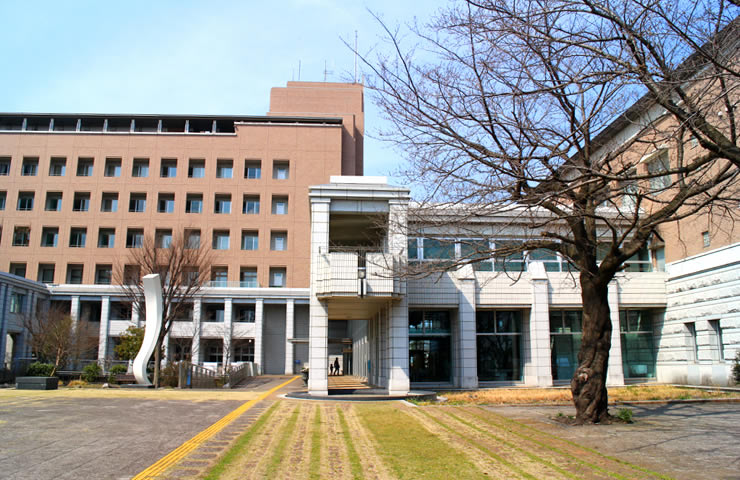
(183, 266)
(55, 338)
(516, 109)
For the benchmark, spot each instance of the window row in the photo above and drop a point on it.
(118, 124)
(219, 275)
(221, 239)
(137, 202)
(112, 167)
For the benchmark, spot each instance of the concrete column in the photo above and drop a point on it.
(467, 360)
(539, 371)
(228, 322)
(289, 333)
(258, 320)
(318, 330)
(615, 372)
(3, 323)
(74, 309)
(195, 347)
(398, 346)
(104, 327)
(135, 316)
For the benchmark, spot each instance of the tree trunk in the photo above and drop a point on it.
(157, 360)
(588, 385)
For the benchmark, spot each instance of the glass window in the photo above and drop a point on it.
(656, 167)
(57, 166)
(4, 166)
(438, 249)
(224, 168)
(248, 278)
(46, 273)
(280, 169)
(30, 167)
(17, 302)
(163, 238)
(49, 236)
(192, 238)
(166, 203)
(251, 204)
(77, 237)
(430, 359)
(18, 269)
(137, 202)
(106, 237)
(220, 239)
(109, 202)
(112, 167)
(74, 274)
(477, 248)
(140, 168)
(252, 169)
(499, 345)
(3, 197)
(640, 262)
(279, 241)
(135, 238)
(25, 201)
(53, 201)
(219, 277)
(565, 341)
(103, 274)
(194, 203)
(84, 167)
(429, 321)
(509, 263)
(279, 205)
(250, 240)
(638, 351)
(214, 313)
(277, 276)
(222, 203)
(244, 350)
(549, 258)
(168, 168)
(81, 202)
(196, 168)
(21, 236)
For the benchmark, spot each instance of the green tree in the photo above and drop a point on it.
(130, 343)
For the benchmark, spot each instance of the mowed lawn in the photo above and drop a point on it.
(307, 440)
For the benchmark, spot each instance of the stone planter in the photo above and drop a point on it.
(36, 383)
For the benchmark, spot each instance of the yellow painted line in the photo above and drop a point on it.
(180, 452)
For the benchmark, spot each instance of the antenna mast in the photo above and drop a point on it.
(355, 77)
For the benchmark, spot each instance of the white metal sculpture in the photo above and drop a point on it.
(153, 302)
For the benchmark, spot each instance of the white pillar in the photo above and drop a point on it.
(195, 347)
(74, 309)
(615, 372)
(398, 347)
(539, 371)
(468, 368)
(318, 330)
(289, 332)
(228, 321)
(135, 315)
(258, 319)
(104, 327)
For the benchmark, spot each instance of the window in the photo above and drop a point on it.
(163, 238)
(219, 277)
(53, 202)
(280, 169)
(499, 345)
(656, 167)
(81, 202)
(17, 302)
(278, 276)
(137, 202)
(112, 167)
(30, 166)
(220, 239)
(194, 203)
(4, 166)
(691, 345)
(106, 237)
(222, 203)
(278, 241)
(3, 197)
(225, 168)
(74, 274)
(140, 168)
(57, 166)
(196, 168)
(244, 313)
(135, 238)
(214, 312)
(638, 350)
(21, 236)
(640, 262)
(429, 346)
(25, 201)
(215, 350)
(252, 169)
(565, 342)
(431, 249)
(251, 204)
(49, 236)
(250, 240)
(166, 203)
(18, 269)
(716, 341)
(244, 350)
(131, 274)
(248, 277)
(168, 168)
(46, 273)
(705, 239)
(103, 274)
(109, 202)
(84, 167)
(510, 263)
(279, 205)
(192, 239)
(77, 237)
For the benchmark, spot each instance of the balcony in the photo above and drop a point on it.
(358, 274)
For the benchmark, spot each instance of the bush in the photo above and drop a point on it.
(625, 415)
(91, 372)
(76, 384)
(736, 368)
(116, 370)
(169, 375)
(38, 369)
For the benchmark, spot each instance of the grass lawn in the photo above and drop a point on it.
(297, 440)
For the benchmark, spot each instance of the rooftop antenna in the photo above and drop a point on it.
(299, 70)
(327, 72)
(355, 77)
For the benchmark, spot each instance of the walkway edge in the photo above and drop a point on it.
(180, 452)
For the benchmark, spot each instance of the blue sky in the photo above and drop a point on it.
(185, 56)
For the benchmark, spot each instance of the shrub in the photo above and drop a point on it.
(91, 372)
(169, 376)
(625, 415)
(116, 370)
(38, 369)
(736, 368)
(76, 384)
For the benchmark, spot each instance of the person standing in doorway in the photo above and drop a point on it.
(336, 366)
